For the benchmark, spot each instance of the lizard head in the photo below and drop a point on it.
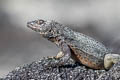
(48, 29)
(38, 26)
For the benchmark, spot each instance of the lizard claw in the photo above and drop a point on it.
(50, 57)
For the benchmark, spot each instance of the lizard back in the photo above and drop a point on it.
(84, 43)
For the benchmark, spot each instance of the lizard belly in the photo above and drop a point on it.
(87, 60)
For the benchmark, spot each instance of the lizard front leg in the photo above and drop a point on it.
(59, 55)
(66, 53)
(62, 57)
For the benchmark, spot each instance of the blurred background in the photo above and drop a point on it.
(20, 45)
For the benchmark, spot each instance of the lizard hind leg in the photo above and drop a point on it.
(110, 60)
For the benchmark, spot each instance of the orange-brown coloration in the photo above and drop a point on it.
(85, 60)
(89, 63)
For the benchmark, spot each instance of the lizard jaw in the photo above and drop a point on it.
(31, 26)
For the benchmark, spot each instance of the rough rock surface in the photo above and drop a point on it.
(69, 71)
(112, 74)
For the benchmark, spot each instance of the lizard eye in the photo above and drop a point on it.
(40, 22)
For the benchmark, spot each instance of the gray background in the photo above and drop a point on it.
(19, 45)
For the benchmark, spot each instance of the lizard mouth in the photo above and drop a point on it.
(31, 26)
(35, 25)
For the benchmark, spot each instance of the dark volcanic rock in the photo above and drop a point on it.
(70, 71)
(112, 74)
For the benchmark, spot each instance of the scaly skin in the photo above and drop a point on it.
(76, 45)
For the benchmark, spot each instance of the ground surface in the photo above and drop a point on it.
(70, 71)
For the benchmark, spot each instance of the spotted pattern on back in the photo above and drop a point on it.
(84, 43)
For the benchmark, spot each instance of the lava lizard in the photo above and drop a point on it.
(75, 45)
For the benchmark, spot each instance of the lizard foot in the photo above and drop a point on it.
(59, 55)
(110, 60)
